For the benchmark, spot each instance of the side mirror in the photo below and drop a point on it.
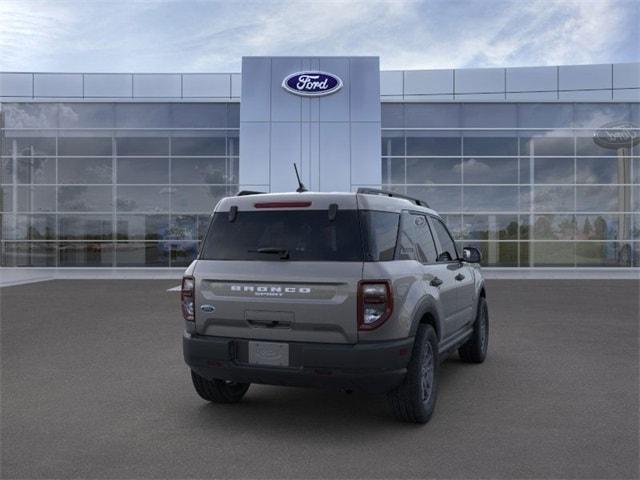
(471, 255)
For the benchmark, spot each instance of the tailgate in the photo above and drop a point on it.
(282, 301)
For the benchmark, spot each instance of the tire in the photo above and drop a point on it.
(474, 350)
(219, 391)
(415, 400)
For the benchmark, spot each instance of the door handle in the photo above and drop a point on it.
(459, 277)
(436, 282)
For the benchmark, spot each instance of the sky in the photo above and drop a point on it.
(211, 36)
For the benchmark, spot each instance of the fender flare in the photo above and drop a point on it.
(426, 306)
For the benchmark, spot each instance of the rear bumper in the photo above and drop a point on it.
(372, 367)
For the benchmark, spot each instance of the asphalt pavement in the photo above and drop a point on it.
(93, 385)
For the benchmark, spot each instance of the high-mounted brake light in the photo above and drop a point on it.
(187, 298)
(282, 204)
(375, 303)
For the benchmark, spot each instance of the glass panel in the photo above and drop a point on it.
(489, 146)
(233, 144)
(490, 199)
(636, 170)
(603, 198)
(525, 170)
(490, 227)
(603, 227)
(85, 199)
(488, 115)
(185, 227)
(199, 115)
(587, 147)
(552, 254)
(85, 170)
(203, 225)
(85, 227)
(30, 115)
(151, 145)
(554, 227)
(635, 232)
(603, 170)
(143, 115)
(183, 253)
(36, 199)
(392, 115)
(29, 146)
(80, 254)
(603, 254)
(36, 170)
(143, 227)
(547, 146)
(199, 170)
(143, 170)
(553, 170)
(86, 115)
(545, 115)
(432, 115)
(28, 227)
(553, 199)
(598, 114)
(490, 170)
(524, 254)
(525, 227)
(143, 199)
(431, 146)
(434, 170)
(196, 199)
(6, 170)
(198, 145)
(392, 143)
(234, 115)
(98, 146)
(6, 199)
(442, 199)
(496, 254)
(36, 254)
(142, 254)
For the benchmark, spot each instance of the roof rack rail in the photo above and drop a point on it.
(375, 191)
(243, 193)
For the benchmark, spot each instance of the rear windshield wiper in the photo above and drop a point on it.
(283, 252)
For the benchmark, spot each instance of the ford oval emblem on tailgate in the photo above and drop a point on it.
(208, 308)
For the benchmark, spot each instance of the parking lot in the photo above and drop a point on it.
(93, 385)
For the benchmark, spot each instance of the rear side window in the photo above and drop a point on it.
(415, 241)
(447, 246)
(305, 235)
(380, 230)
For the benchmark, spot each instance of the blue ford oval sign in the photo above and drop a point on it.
(312, 84)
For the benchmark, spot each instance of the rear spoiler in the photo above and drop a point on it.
(375, 191)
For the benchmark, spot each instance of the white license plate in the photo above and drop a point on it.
(269, 353)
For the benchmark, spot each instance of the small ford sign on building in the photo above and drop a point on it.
(312, 84)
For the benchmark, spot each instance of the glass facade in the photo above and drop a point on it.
(524, 182)
(112, 184)
(131, 184)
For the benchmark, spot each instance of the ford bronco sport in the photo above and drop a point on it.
(361, 290)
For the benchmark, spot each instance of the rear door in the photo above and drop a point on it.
(287, 274)
(463, 276)
(416, 242)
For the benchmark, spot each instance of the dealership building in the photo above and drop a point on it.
(537, 167)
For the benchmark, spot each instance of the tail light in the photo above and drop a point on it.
(375, 303)
(187, 298)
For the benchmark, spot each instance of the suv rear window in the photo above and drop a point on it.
(306, 235)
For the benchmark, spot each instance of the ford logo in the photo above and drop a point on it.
(208, 308)
(617, 135)
(312, 84)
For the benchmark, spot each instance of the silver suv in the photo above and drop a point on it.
(361, 290)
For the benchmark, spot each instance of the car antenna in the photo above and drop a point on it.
(301, 188)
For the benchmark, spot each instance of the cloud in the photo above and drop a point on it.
(171, 36)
